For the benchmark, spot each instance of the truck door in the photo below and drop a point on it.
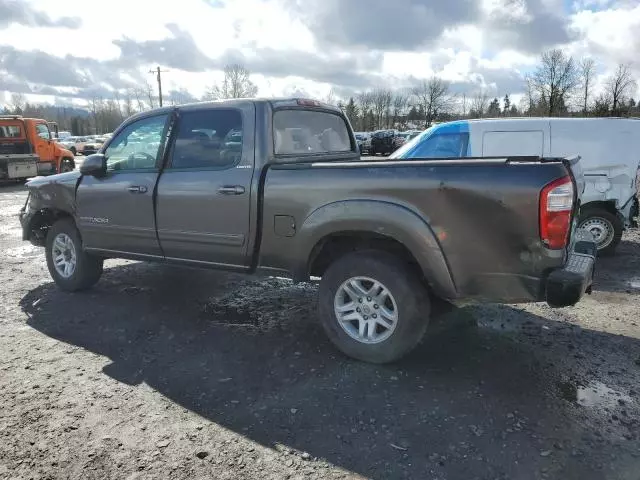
(115, 213)
(43, 146)
(204, 192)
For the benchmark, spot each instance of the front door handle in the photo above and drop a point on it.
(137, 189)
(231, 190)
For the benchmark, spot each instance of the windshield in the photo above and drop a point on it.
(409, 145)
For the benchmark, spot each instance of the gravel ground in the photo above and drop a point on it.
(161, 372)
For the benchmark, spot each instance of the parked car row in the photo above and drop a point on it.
(383, 142)
(84, 145)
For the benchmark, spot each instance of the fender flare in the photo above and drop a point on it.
(382, 218)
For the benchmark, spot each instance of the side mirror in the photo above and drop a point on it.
(94, 165)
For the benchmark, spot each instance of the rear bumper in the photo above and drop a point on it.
(566, 286)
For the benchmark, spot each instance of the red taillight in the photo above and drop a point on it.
(556, 205)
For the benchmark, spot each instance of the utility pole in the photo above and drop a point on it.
(157, 71)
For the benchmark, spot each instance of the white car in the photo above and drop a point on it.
(609, 149)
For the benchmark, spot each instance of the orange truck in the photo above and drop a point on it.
(28, 149)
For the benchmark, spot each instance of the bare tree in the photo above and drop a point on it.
(96, 106)
(555, 80)
(236, 84)
(18, 103)
(587, 67)
(138, 94)
(381, 101)
(529, 100)
(118, 105)
(399, 105)
(619, 86)
(127, 103)
(330, 98)
(479, 104)
(434, 97)
(364, 102)
(148, 89)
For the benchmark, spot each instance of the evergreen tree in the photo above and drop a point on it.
(494, 108)
(413, 114)
(507, 105)
(351, 111)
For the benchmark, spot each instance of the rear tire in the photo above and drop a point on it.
(71, 268)
(605, 226)
(380, 325)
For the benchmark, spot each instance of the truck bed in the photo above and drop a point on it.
(482, 213)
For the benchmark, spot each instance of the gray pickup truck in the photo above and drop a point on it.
(277, 185)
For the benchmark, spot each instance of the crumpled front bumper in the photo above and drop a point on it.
(26, 218)
(566, 286)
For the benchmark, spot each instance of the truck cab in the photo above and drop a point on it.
(28, 149)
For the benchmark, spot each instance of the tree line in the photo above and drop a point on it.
(558, 86)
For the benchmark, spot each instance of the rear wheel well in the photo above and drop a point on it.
(42, 222)
(608, 206)
(334, 246)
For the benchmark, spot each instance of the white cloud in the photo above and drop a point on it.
(489, 45)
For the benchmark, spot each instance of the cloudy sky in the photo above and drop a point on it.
(70, 50)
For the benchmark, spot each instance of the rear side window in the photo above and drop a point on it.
(309, 132)
(10, 131)
(208, 139)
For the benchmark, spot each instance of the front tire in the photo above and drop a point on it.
(605, 226)
(71, 268)
(373, 307)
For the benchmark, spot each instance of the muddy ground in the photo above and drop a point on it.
(161, 372)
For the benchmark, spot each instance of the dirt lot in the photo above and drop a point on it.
(162, 373)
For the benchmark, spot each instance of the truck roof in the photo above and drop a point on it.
(20, 117)
(273, 101)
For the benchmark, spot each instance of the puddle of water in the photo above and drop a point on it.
(597, 394)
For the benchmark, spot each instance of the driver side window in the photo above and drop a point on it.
(138, 145)
(43, 131)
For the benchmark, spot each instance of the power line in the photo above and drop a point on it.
(157, 71)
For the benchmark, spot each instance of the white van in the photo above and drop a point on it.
(609, 149)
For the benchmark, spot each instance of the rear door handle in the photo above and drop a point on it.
(137, 189)
(231, 190)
